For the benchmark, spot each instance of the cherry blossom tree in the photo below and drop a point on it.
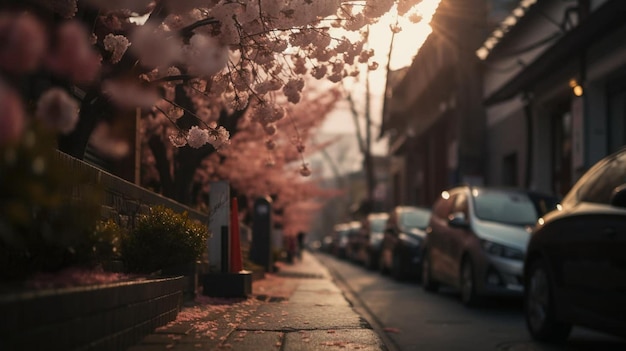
(87, 68)
(257, 164)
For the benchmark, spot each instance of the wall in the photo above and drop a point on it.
(123, 200)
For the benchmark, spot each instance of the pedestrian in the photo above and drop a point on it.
(292, 249)
(300, 237)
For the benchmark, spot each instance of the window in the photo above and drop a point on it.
(505, 207)
(414, 219)
(599, 185)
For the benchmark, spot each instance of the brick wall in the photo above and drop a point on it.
(123, 201)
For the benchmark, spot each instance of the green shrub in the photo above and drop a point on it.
(163, 239)
(107, 240)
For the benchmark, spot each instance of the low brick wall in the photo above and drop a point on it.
(100, 317)
(123, 200)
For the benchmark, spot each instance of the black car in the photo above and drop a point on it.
(575, 267)
(339, 244)
(373, 228)
(355, 241)
(401, 250)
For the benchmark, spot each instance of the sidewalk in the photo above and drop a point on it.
(297, 308)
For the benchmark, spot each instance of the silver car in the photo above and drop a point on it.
(477, 237)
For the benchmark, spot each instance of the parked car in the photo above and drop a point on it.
(575, 268)
(340, 240)
(401, 248)
(343, 243)
(355, 241)
(476, 240)
(373, 229)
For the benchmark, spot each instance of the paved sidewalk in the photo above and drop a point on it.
(297, 308)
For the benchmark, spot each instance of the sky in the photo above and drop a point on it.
(405, 47)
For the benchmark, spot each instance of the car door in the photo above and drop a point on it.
(389, 240)
(456, 237)
(594, 246)
(443, 264)
(435, 234)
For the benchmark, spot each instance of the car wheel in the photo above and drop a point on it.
(396, 268)
(428, 282)
(469, 297)
(539, 308)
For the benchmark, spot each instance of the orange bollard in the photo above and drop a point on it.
(236, 262)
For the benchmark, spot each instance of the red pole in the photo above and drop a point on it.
(236, 262)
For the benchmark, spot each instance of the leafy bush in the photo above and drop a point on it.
(107, 240)
(163, 239)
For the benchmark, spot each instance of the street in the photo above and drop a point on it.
(408, 318)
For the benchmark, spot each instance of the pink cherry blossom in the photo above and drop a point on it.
(129, 94)
(108, 144)
(73, 56)
(197, 137)
(22, 42)
(58, 110)
(117, 45)
(12, 119)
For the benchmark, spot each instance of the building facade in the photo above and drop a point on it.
(554, 91)
(532, 102)
(434, 116)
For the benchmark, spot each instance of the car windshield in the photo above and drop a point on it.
(377, 225)
(504, 207)
(414, 218)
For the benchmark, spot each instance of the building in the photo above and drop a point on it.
(433, 114)
(554, 91)
(534, 104)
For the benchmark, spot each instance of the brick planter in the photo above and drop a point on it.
(100, 317)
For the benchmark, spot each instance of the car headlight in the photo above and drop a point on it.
(411, 240)
(500, 250)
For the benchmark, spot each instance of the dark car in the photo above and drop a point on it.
(476, 240)
(342, 246)
(401, 248)
(373, 229)
(575, 268)
(355, 241)
(339, 240)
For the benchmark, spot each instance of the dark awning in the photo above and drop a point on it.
(606, 19)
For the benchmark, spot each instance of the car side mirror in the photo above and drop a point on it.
(618, 198)
(458, 220)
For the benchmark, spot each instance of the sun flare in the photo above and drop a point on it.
(407, 42)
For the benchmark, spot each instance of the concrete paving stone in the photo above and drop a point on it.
(340, 339)
(243, 340)
(313, 298)
(288, 317)
(318, 285)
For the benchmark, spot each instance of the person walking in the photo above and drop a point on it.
(300, 237)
